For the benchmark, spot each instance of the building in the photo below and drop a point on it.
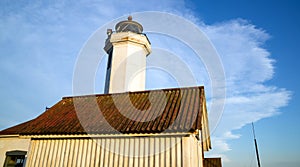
(126, 126)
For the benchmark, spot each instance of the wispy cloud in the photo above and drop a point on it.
(248, 65)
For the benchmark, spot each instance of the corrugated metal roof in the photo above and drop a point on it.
(153, 111)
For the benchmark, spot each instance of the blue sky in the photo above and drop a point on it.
(257, 43)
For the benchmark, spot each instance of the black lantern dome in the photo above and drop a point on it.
(129, 25)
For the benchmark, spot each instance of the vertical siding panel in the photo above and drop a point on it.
(47, 152)
(167, 152)
(191, 149)
(196, 156)
(63, 153)
(98, 152)
(126, 152)
(37, 156)
(59, 152)
(196, 152)
(117, 151)
(84, 151)
(31, 152)
(50, 154)
(186, 151)
(38, 153)
(51, 146)
(178, 151)
(106, 152)
(156, 151)
(173, 151)
(152, 151)
(146, 151)
(136, 145)
(193, 160)
(55, 150)
(102, 153)
(142, 152)
(54, 156)
(131, 152)
(200, 155)
(44, 156)
(74, 157)
(67, 152)
(94, 144)
(122, 153)
(93, 153)
(162, 151)
(71, 152)
(89, 152)
(43, 147)
(79, 155)
(111, 152)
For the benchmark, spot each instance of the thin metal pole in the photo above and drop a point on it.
(256, 148)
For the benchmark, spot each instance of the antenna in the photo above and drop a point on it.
(256, 149)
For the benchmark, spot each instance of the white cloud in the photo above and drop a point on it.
(247, 66)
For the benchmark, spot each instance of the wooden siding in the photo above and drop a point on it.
(127, 151)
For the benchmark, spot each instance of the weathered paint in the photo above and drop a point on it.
(126, 151)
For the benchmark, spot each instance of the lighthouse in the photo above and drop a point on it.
(127, 48)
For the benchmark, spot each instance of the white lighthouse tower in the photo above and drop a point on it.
(127, 49)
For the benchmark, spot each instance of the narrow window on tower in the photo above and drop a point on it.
(108, 71)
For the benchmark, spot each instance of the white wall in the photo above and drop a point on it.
(128, 68)
(10, 144)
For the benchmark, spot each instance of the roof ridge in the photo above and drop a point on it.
(142, 91)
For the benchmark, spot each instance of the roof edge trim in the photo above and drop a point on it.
(9, 136)
(105, 135)
(150, 90)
